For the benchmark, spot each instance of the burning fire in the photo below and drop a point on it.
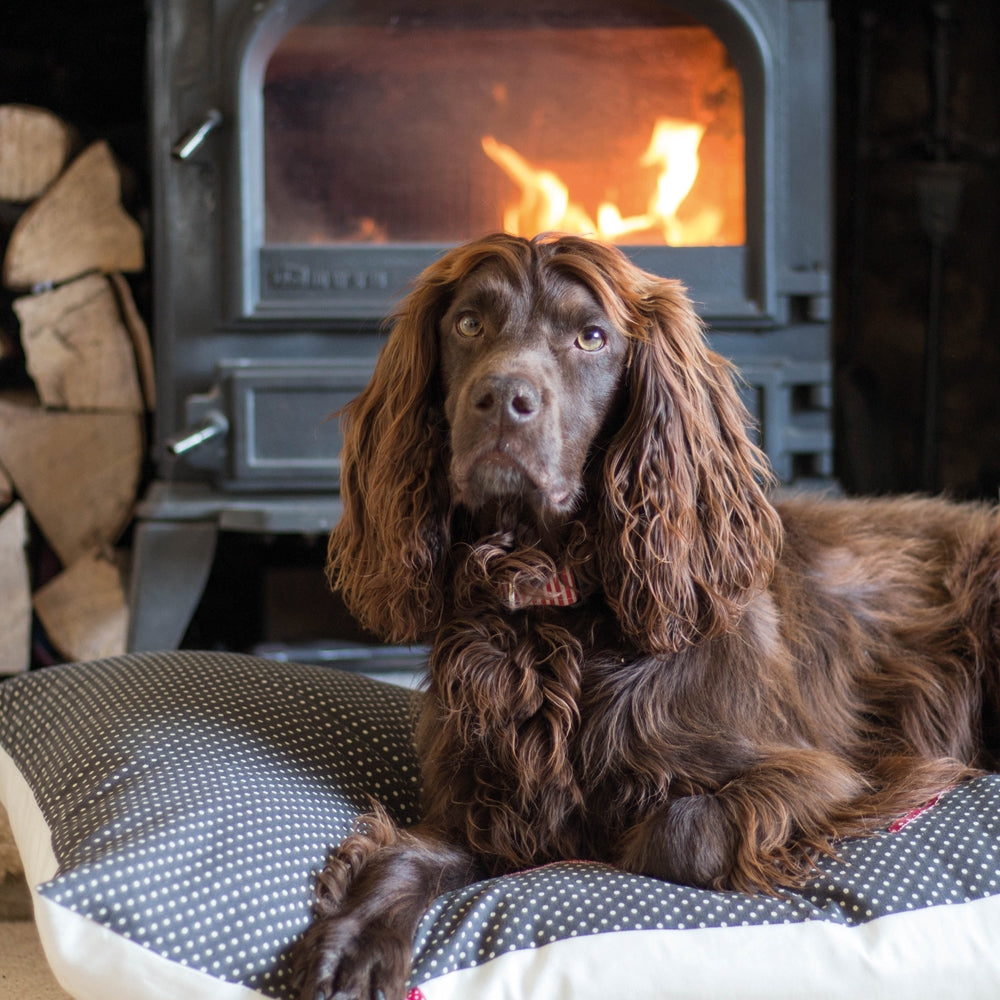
(545, 204)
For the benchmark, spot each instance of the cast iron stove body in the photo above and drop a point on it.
(310, 158)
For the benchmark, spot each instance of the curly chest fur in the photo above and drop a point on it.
(498, 735)
(517, 761)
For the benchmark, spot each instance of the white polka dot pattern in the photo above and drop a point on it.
(193, 796)
(948, 854)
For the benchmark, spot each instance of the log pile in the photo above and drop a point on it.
(75, 386)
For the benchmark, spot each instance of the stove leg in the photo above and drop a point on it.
(171, 563)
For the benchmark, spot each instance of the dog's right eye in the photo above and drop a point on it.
(593, 338)
(469, 325)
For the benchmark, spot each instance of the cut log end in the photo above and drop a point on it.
(77, 473)
(83, 609)
(78, 347)
(77, 226)
(34, 147)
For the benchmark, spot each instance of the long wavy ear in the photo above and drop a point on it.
(690, 534)
(385, 553)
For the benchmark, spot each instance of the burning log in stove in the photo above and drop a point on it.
(545, 204)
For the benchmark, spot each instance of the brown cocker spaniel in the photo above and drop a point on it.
(636, 656)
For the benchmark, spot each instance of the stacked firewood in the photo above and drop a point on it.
(75, 386)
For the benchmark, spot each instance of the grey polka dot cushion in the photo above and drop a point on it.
(173, 809)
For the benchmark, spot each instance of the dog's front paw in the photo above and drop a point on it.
(346, 958)
(703, 842)
(692, 843)
(369, 900)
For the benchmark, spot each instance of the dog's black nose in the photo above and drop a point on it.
(504, 396)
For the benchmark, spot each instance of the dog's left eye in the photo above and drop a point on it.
(593, 338)
(469, 325)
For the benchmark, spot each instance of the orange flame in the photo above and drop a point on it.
(545, 204)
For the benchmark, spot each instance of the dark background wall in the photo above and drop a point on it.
(918, 244)
(86, 61)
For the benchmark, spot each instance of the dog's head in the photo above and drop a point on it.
(554, 376)
(530, 366)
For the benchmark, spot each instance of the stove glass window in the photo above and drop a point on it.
(436, 122)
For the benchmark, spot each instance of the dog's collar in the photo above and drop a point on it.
(562, 591)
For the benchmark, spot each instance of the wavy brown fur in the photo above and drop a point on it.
(741, 684)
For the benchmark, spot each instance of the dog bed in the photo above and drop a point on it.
(173, 809)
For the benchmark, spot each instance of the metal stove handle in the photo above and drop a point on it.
(214, 425)
(188, 143)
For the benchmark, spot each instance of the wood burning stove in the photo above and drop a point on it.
(310, 157)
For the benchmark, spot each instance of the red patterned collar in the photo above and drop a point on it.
(561, 591)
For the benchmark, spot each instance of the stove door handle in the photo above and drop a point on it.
(188, 144)
(214, 425)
